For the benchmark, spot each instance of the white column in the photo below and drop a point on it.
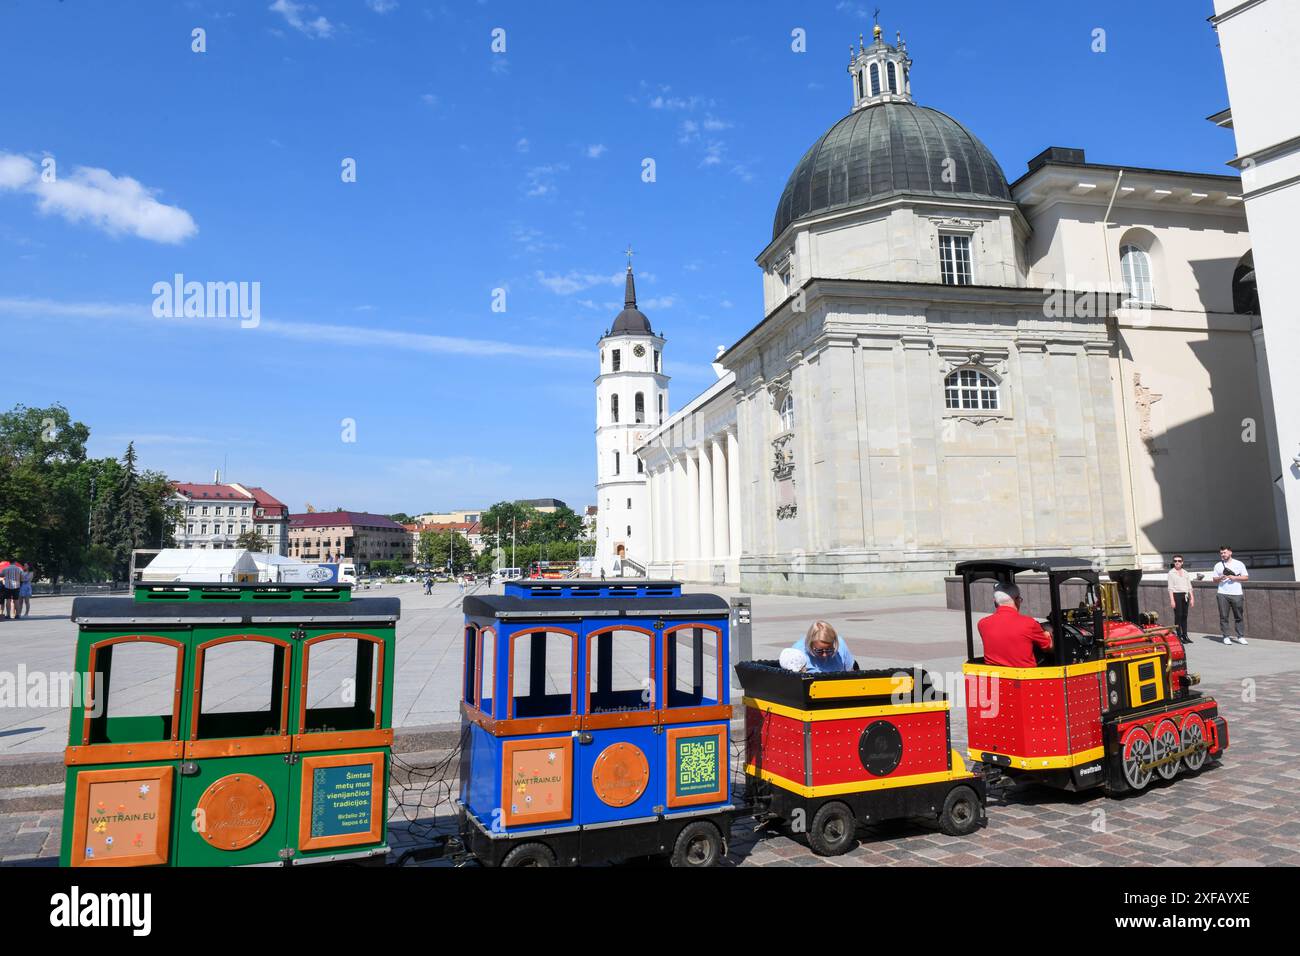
(664, 512)
(721, 510)
(692, 506)
(706, 502)
(733, 493)
(681, 508)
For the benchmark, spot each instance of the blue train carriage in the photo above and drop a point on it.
(596, 720)
(825, 752)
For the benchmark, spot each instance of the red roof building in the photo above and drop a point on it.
(213, 515)
(358, 536)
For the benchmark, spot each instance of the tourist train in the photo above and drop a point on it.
(595, 725)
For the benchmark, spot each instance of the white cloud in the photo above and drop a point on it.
(574, 281)
(115, 204)
(317, 333)
(658, 302)
(595, 151)
(293, 14)
(522, 146)
(382, 6)
(540, 180)
(429, 99)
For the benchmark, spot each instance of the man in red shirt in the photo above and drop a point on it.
(1010, 637)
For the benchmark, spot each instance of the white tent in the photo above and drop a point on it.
(201, 566)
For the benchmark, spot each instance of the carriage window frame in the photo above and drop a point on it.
(573, 669)
(484, 635)
(376, 687)
(653, 676)
(722, 687)
(469, 664)
(90, 698)
(269, 743)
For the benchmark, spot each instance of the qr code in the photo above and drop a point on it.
(697, 761)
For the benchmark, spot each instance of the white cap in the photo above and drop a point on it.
(793, 659)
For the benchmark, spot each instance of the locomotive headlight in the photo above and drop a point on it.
(1112, 677)
(1114, 697)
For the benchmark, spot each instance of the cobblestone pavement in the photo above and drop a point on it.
(1244, 811)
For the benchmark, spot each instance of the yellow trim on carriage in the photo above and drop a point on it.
(845, 713)
(863, 786)
(863, 687)
(1034, 673)
(1058, 762)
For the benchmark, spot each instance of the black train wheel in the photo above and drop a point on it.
(960, 815)
(833, 829)
(698, 845)
(530, 854)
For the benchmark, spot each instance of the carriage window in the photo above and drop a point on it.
(693, 665)
(542, 674)
(135, 684)
(342, 685)
(487, 683)
(243, 689)
(471, 658)
(620, 671)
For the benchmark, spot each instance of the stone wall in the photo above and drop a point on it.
(1272, 607)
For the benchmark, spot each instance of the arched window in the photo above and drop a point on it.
(893, 78)
(787, 412)
(875, 79)
(638, 409)
(613, 408)
(1245, 293)
(1135, 268)
(970, 388)
(661, 409)
(857, 83)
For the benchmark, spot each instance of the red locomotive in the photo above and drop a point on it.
(1111, 705)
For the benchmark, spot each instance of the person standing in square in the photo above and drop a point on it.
(1228, 575)
(1181, 598)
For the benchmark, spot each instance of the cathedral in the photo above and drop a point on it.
(951, 365)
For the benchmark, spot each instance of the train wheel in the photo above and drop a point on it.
(961, 812)
(699, 844)
(1193, 734)
(1137, 751)
(1165, 743)
(530, 854)
(833, 828)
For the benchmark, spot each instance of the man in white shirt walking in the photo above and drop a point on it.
(1228, 575)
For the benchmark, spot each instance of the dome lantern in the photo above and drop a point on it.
(880, 73)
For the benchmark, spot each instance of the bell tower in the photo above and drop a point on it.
(631, 401)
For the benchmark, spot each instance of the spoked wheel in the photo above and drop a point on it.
(1137, 750)
(833, 829)
(1166, 742)
(961, 812)
(698, 845)
(1194, 734)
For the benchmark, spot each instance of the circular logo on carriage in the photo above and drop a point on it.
(235, 811)
(880, 748)
(620, 774)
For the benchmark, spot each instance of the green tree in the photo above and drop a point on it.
(132, 512)
(436, 547)
(500, 516)
(42, 490)
(563, 524)
(401, 518)
(251, 540)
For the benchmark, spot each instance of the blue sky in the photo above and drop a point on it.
(475, 171)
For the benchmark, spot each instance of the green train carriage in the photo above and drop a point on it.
(222, 725)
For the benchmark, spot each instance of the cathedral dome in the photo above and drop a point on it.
(884, 150)
(888, 146)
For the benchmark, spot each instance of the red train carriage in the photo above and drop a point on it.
(826, 751)
(1111, 704)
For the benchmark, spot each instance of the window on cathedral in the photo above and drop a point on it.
(629, 504)
(787, 413)
(640, 469)
(638, 408)
(661, 409)
(616, 463)
(616, 359)
(875, 79)
(954, 260)
(1245, 293)
(857, 84)
(893, 78)
(656, 360)
(613, 408)
(970, 388)
(1135, 267)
